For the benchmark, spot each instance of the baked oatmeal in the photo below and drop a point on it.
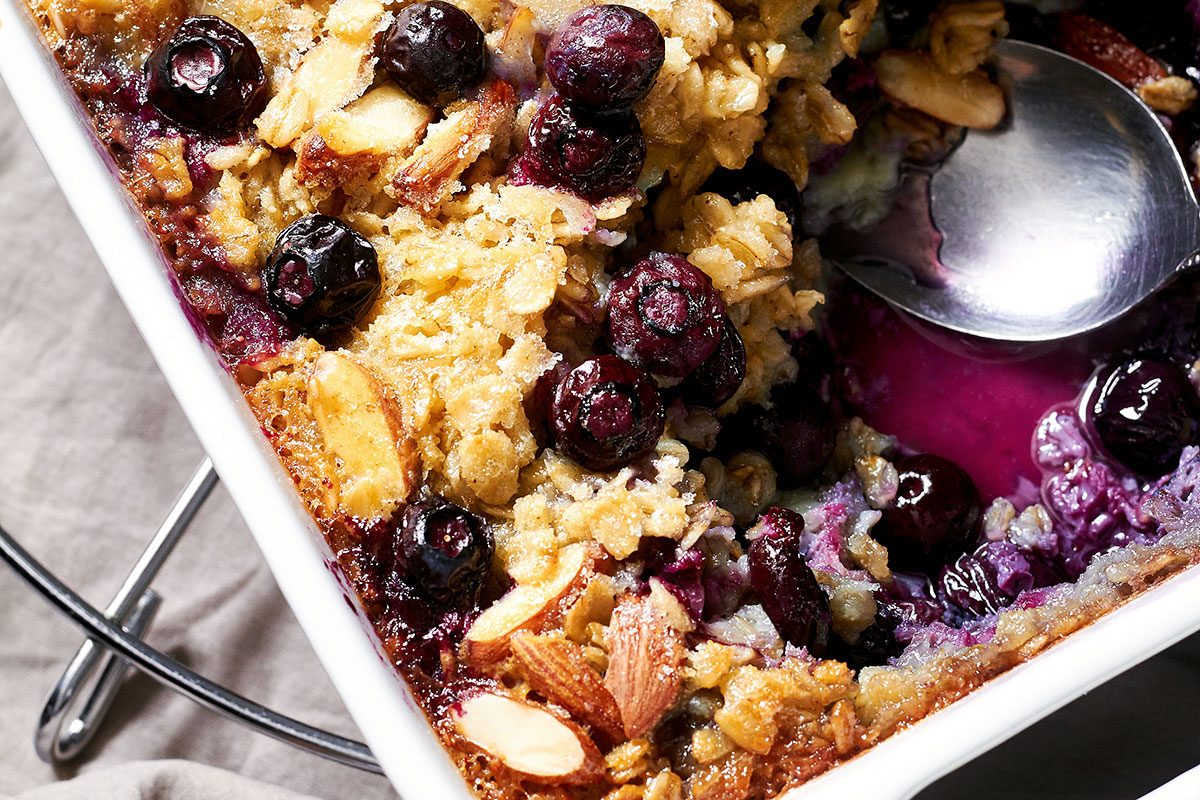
(642, 499)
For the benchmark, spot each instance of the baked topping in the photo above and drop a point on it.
(758, 178)
(620, 470)
(207, 76)
(529, 740)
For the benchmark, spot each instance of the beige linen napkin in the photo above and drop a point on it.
(93, 450)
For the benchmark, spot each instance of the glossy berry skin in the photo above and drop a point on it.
(322, 276)
(443, 551)
(1144, 411)
(716, 380)
(665, 316)
(434, 51)
(758, 178)
(594, 156)
(605, 57)
(785, 584)
(208, 77)
(934, 515)
(606, 413)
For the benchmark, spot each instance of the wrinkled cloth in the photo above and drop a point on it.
(93, 449)
(160, 780)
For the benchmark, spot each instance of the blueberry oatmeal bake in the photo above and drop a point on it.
(641, 497)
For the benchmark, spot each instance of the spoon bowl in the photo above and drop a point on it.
(1073, 211)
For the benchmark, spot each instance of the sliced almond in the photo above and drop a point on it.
(526, 607)
(558, 669)
(384, 120)
(646, 653)
(430, 174)
(529, 740)
(350, 145)
(912, 78)
(361, 426)
(331, 74)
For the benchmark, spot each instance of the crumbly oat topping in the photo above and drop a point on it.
(619, 620)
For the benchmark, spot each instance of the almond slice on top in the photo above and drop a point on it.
(529, 740)
(361, 425)
(557, 669)
(527, 606)
(646, 653)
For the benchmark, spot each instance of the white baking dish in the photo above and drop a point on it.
(390, 720)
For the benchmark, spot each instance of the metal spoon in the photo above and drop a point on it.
(1072, 212)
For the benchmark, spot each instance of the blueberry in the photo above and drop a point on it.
(758, 178)
(322, 275)
(1164, 29)
(606, 413)
(716, 380)
(798, 433)
(208, 76)
(595, 156)
(1144, 411)
(904, 19)
(785, 584)
(934, 515)
(434, 51)
(665, 316)
(443, 551)
(1027, 24)
(605, 57)
(986, 580)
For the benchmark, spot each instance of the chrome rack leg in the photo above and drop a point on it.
(60, 738)
(115, 640)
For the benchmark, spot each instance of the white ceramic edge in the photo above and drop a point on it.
(376, 698)
(1186, 786)
(393, 726)
(902, 765)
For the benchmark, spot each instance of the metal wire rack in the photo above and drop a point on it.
(76, 706)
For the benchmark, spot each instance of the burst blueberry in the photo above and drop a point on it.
(665, 316)
(595, 156)
(208, 76)
(605, 57)
(322, 276)
(434, 51)
(606, 413)
(443, 551)
(785, 584)
(1144, 411)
